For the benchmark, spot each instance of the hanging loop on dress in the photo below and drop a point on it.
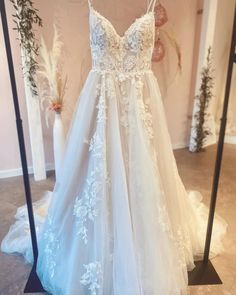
(90, 3)
(151, 5)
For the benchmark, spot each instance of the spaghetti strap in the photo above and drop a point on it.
(90, 3)
(151, 5)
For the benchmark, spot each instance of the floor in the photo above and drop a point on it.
(196, 171)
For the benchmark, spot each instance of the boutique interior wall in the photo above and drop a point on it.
(72, 19)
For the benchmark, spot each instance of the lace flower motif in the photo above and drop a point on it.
(111, 91)
(98, 38)
(130, 62)
(92, 277)
(130, 53)
(86, 203)
(146, 117)
(51, 247)
(85, 207)
(180, 238)
(101, 106)
(96, 145)
(134, 42)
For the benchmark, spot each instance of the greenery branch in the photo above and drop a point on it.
(203, 99)
(25, 17)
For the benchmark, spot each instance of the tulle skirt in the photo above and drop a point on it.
(119, 221)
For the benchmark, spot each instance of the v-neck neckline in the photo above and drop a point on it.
(111, 24)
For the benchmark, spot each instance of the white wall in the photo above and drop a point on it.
(221, 47)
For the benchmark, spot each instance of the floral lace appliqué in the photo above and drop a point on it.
(92, 277)
(87, 202)
(146, 117)
(51, 247)
(180, 238)
(130, 52)
(85, 207)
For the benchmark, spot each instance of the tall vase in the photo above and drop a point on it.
(58, 141)
(35, 127)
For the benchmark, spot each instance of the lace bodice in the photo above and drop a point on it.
(131, 52)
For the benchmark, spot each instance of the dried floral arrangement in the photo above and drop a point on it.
(25, 17)
(203, 99)
(53, 86)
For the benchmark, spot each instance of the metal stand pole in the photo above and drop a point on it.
(204, 273)
(33, 284)
(232, 56)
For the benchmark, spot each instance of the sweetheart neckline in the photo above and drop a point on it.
(121, 36)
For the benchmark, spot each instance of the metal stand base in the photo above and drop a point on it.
(33, 284)
(203, 274)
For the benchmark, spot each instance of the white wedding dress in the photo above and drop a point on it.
(120, 221)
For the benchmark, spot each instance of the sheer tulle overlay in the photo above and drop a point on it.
(119, 221)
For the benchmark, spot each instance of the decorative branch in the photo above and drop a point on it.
(25, 18)
(203, 99)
